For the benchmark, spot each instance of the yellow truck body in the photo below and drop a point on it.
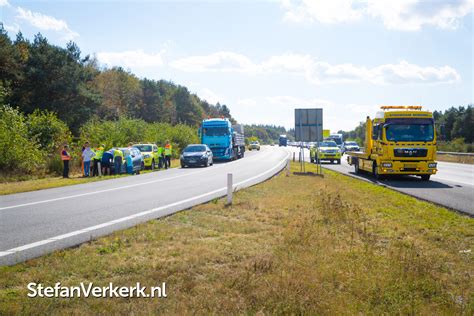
(400, 140)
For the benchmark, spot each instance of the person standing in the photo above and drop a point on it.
(168, 151)
(65, 157)
(161, 157)
(118, 158)
(99, 151)
(87, 155)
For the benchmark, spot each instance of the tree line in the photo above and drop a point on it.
(38, 75)
(265, 133)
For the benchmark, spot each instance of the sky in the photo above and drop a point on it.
(263, 59)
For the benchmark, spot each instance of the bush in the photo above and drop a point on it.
(18, 153)
(119, 133)
(50, 132)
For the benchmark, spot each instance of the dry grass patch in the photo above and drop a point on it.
(291, 245)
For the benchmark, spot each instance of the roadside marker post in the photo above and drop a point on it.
(288, 167)
(229, 188)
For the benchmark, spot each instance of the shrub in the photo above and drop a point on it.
(50, 132)
(124, 130)
(18, 153)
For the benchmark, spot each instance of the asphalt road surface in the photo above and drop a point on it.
(35, 223)
(452, 186)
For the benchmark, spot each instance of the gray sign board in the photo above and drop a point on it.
(309, 125)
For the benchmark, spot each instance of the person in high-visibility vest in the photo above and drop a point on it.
(65, 157)
(99, 151)
(161, 157)
(118, 158)
(168, 151)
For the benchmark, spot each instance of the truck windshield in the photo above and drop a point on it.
(410, 132)
(216, 131)
(337, 140)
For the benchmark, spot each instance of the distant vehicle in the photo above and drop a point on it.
(150, 154)
(283, 141)
(196, 155)
(328, 150)
(349, 146)
(224, 139)
(254, 145)
(337, 138)
(132, 161)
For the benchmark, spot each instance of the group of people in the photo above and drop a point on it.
(101, 161)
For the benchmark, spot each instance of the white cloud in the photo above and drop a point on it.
(412, 15)
(404, 15)
(219, 61)
(12, 29)
(323, 11)
(208, 95)
(4, 3)
(318, 72)
(45, 22)
(130, 59)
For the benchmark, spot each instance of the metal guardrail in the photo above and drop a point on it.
(454, 153)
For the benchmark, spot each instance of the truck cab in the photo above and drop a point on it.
(225, 141)
(399, 140)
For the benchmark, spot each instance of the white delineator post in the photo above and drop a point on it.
(229, 188)
(288, 168)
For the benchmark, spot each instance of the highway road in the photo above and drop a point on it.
(452, 186)
(35, 223)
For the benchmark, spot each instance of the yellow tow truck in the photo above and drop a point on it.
(400, 140)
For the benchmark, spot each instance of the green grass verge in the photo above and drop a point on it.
(291, 245)
(55, 182)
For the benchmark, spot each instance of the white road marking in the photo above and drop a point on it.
(117, 188)
(281, 164)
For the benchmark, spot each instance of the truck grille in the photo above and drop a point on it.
(410, 152)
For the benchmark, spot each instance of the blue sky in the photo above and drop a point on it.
(265, 58)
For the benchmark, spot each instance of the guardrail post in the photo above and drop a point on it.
(294, 154)
(229, 188)
(288, 168)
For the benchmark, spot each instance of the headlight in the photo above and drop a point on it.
(203, 156)
(432, 165)
(387, 164)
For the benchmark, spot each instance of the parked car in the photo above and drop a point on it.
(349, 146)
(328, 150)
(196, 155)
(254, 145)
(150, 154)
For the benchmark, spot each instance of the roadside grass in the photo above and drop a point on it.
(10, 187)
(291, 245)
(457, 159)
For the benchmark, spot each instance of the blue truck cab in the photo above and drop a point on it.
(225, 141)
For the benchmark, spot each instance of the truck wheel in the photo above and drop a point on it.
(332, 161)
(425, 177)
(356, 166)
(338, 161)
(311, 159)
(375, 172)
